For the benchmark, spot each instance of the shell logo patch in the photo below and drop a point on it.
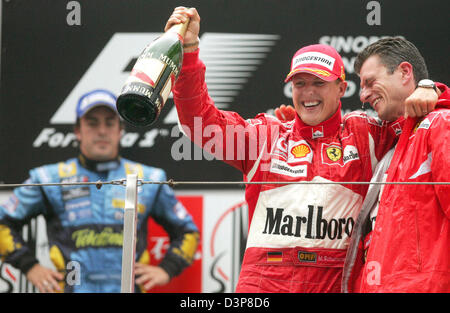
(334, 153)
(300, 151)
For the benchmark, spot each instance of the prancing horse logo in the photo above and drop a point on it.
(334, 153)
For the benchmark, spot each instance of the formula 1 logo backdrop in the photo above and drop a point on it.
(230, 61)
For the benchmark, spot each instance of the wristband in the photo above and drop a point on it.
(192, 44)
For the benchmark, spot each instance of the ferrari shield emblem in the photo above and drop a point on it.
(334, 153)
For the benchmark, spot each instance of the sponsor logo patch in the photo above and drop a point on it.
(75, 193)
(397, 128)
(315, 58)
(300, 151)
(281, 149)
(85, 204)
(280, 167)
(317, 132)
(120, 204)
(334, 153)
(133, 168)
(180, 211)
(305, 256)
(350, 154)
(425, 124)
(107, 237)
(67, 170)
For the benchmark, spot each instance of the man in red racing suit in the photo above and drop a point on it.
(305, 227)
(299, 232)
(409, 248)
(421, 274)
(411, 241)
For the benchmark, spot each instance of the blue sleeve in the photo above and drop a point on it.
(171, 213)
(178, 223)
(25, 204)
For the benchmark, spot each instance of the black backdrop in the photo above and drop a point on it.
(43, 58)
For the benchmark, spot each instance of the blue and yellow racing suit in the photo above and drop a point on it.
(85, 225)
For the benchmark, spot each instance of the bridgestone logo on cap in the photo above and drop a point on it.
(314, 57)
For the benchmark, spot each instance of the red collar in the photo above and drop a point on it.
(325, 129)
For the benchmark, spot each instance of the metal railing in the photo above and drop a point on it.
(132, 183)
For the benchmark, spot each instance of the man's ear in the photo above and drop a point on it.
(76, 131)
(407, 72)
(342, 88)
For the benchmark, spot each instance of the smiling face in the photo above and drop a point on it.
(384, 91)
(316, 100)
(99, 134)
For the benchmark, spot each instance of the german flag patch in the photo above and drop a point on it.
(274, 256)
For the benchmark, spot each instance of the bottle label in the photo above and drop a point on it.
(146, 71)
(149, 71)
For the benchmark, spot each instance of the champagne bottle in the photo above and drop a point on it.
(147, 88)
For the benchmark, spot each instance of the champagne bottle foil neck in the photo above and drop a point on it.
(180, 29)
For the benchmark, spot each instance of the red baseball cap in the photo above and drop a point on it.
(320, 60)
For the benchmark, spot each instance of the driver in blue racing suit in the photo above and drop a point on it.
(85, 225)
